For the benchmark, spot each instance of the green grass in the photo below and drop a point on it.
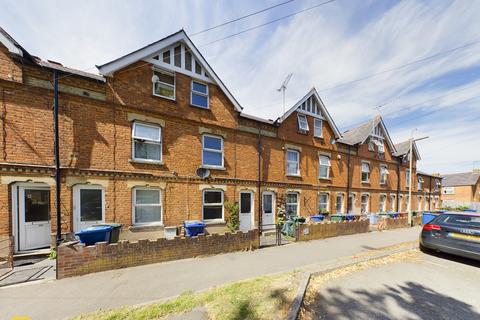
(265, 297)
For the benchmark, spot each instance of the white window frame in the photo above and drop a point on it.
(166, 84)
(351, 196)
(420, 183)
(149, 141)
(316, 127)
(383, 207)
(213, 150)
(362, 172)
(448, 190)
(367, 208)
(342, 206)
(296, 174)
(393, 202)
(320, 165)
(297, 203)
(213, 205)
(407, 177)
(419, 203)
(304, 117)
(327, 208)
(135, 205)
(438, 185)
(192, 92)
(383, 174)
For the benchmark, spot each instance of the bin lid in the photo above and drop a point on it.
(317, 216)
(193, 223)
(94, 229)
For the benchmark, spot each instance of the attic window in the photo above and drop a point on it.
(198, 67)
(177, 56)
(166, 57)
(164, 86)
(302, 123)
(310, 106)
(188, 60)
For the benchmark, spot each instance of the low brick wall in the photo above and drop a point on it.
(78, 259)
(395, 223)
(417, 220)
(321, 230)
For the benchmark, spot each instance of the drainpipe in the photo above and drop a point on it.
(259, 183)
(348, 180)
(57, 156)
(398, 184)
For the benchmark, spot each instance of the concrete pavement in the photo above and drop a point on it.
(105, 290)
(418, 286)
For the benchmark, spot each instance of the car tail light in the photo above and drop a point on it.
(431, 226)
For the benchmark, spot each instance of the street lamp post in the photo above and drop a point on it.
(410, 153)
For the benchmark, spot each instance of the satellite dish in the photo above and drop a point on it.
(333, 141)
(203, 173)
(155, 78)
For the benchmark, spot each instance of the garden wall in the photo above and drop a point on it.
(78, 259)
(321, 230)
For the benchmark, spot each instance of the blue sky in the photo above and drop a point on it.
(334, 44)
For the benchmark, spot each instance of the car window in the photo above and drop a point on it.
(466, 220)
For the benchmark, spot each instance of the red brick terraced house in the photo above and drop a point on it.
(157, 139)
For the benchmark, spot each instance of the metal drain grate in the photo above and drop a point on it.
(20, 276)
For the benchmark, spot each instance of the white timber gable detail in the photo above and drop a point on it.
(311, 104)
(175, 53)
(179, 58)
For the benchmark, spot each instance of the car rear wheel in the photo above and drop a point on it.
(424, 249)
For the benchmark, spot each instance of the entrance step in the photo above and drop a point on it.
(30, 257)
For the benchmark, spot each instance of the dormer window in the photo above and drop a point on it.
(302, 123)
(164, 84)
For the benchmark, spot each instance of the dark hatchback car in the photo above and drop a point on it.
(453, 233)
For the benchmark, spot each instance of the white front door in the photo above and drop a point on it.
(246, 210)
(88, 206)
(33, 218)
(268, 210)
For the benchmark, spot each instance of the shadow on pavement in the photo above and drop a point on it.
(407, 301)
(451, 257)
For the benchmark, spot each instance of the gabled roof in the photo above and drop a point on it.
(312, 93)
(360, 134)
(403, 148)
(434, 175)
(109, 68)
(12, 45)
(460, 179)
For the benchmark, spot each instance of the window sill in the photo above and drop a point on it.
(294, 175)
(366, 182)
(200, 107)
(163, 97)
(318, 137)
(214, 222)
(322, 178)
(214, 168)
(146, 227)
(145, 161)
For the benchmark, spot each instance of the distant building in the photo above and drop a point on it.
(461, 187)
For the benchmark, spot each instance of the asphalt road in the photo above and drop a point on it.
(419, 287)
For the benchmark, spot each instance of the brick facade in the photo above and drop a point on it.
(96, 119)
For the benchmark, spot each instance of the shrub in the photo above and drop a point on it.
(233, 220)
